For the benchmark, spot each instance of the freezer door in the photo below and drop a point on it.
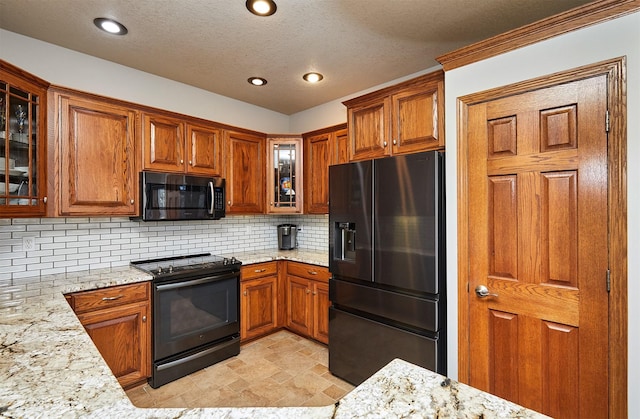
(350, 220)
(358, 347)
(409, 222)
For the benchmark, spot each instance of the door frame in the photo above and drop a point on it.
(615, 70)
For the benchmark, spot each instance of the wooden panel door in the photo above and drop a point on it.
(258, 306)
(163, 139)
(204, 150)
(369, 130)
(538, 240)
(317, 154)
(299, 304)
(245, 173)
(123, 337)
(321, 305)
(340, 147)
(418, 118)
(97, 157)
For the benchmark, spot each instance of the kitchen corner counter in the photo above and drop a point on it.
(49, 367)
(312, 257)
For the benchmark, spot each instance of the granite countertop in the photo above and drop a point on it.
(49, 367)
(299, 255)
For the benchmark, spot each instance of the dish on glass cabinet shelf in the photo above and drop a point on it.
(13, 172)
(12, 187)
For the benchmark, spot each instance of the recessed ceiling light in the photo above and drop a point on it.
(110, 25)
(257, 81)
(313, 77)
(261, 7)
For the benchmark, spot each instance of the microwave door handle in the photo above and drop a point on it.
(212, 198)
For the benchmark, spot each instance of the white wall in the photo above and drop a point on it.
(64, 67)
(67, 68)
(612, 39)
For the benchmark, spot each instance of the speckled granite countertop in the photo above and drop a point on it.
(50, 368)
(298, 255)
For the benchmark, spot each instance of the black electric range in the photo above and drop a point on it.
(196, 313)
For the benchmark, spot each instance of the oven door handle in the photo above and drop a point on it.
(183, 284)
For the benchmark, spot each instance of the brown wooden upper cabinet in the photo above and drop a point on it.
(93, 155)
(23, 143)
(284, 175)
(404, 118)
(245, 173)
(178, 145)
(322, 148)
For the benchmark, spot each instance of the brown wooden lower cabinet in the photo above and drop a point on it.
(308, 300)
(258, 299)
(118, 320)
(290, 294)
(321, 305)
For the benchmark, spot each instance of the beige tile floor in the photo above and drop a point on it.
(279, 370)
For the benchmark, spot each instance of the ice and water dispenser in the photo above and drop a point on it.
(345, 241)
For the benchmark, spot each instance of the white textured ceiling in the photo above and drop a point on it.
(217, 44)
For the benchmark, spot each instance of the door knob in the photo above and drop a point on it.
(482, 291)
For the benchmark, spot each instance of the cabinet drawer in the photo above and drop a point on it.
(82, 302)
(258, 270)
(304, 270)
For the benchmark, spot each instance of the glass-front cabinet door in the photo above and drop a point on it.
(284, 177)
(22, 143)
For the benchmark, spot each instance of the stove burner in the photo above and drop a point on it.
(189, 265)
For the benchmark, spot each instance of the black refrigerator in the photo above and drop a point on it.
(387, 260)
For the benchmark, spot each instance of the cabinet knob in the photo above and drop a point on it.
(132, 202)
(384, 143)
(315, 293)
(395, 142)
(191, 164)
(144, 319)
(229, 203)
(244, 293)
(308, 290)
(181, 161)
(44, 199)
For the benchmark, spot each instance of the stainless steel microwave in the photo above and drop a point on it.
(173, 196)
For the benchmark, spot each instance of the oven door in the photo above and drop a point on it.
(194, 312)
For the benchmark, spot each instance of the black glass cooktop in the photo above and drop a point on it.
(188, 265)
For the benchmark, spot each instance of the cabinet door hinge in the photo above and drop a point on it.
(608, 280)
(606, 122)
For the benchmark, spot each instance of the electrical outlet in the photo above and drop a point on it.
(299, 228)
(28, 244)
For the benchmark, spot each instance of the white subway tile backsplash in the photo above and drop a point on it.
(66, 245)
